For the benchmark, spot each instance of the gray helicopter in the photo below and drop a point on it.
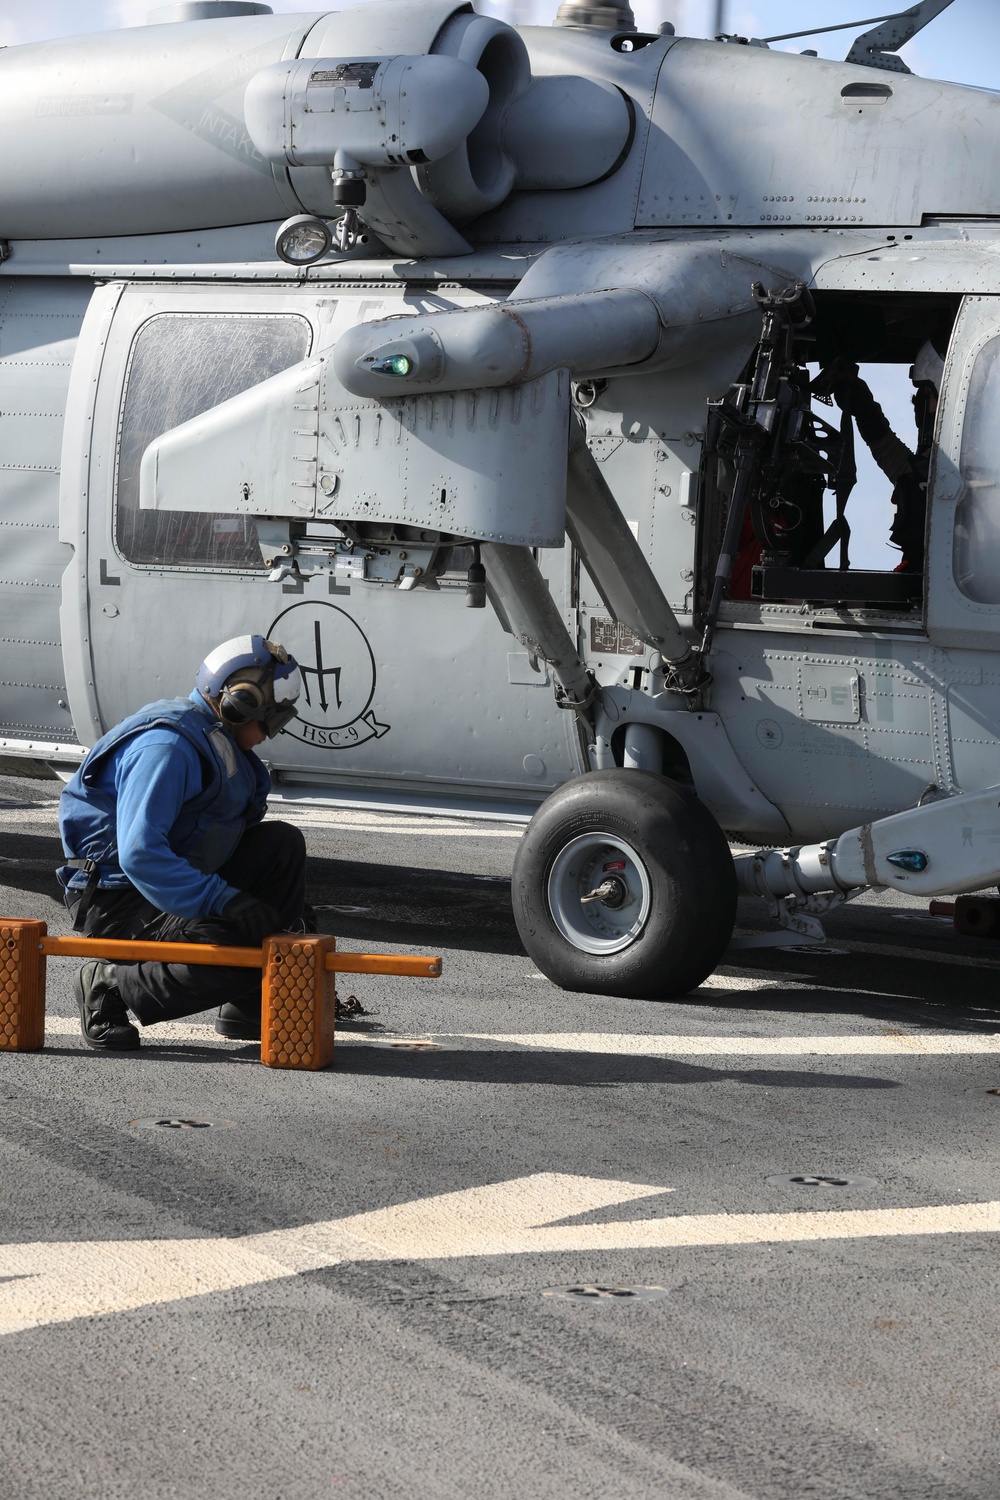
(491, 371)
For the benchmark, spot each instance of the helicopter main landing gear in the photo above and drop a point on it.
(624, 885)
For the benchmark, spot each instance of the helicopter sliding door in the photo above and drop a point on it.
(963, 607)
(964, 551)
(150, 588)
(404, 692)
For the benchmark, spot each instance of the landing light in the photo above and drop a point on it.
(303, 240)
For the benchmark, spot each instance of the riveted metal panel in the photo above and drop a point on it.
(773, 173)
(39, 323)
(830, 695)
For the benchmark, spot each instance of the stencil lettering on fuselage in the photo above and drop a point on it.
(209, 105)
(338, 676)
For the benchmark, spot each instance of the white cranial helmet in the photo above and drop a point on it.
(928, 367)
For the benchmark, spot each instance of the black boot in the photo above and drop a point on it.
(237, 1023)
(103, 1017)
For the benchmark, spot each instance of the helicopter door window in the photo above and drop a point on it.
(976, 556)
(181, 365)
(870, 512)
(816, 461)
(858, 544)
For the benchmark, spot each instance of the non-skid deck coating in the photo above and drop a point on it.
(342, 1292)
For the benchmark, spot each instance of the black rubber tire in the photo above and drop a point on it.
(690, 870)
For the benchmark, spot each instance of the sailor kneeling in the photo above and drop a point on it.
(164, 841)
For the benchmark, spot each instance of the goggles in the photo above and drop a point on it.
(286, 684)
(275, 716)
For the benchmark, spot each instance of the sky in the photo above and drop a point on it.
(961, 45)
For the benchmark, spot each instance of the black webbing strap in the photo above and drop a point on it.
(92, 870)
(847, 478)
(838, 529)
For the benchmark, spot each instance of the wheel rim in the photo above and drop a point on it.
(587, 864)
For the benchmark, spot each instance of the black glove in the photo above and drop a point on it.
(252, 920)
(840, 379)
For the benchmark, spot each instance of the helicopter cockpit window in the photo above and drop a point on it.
(181, 365)
(977, 522)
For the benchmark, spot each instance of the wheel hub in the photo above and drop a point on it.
(599, 893)
(611, 892)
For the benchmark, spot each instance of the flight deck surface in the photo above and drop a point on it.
(379, 1280)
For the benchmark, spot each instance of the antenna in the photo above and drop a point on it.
(792, 36)
(720, 18)
(877, 48)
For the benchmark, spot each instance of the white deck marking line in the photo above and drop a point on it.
(885, 950)
(888, 950)
(909, 1044)
(56, 1282)
(359, 822)
(205, 1034)
(163, 1031)
(719, 983)
(445, 833)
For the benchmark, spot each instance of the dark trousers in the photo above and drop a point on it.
(269, 863)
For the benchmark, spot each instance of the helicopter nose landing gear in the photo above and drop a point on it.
(624, 885)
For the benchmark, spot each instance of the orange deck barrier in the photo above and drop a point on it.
(297, 994)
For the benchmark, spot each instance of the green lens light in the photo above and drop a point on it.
(396, 364)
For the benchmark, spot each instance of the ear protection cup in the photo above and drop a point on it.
(249, 679)
(241, 702)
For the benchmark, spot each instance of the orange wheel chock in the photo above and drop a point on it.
(297, 988)
(22, 986)
(298, 1003)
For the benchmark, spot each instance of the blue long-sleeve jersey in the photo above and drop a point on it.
(160, 803)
